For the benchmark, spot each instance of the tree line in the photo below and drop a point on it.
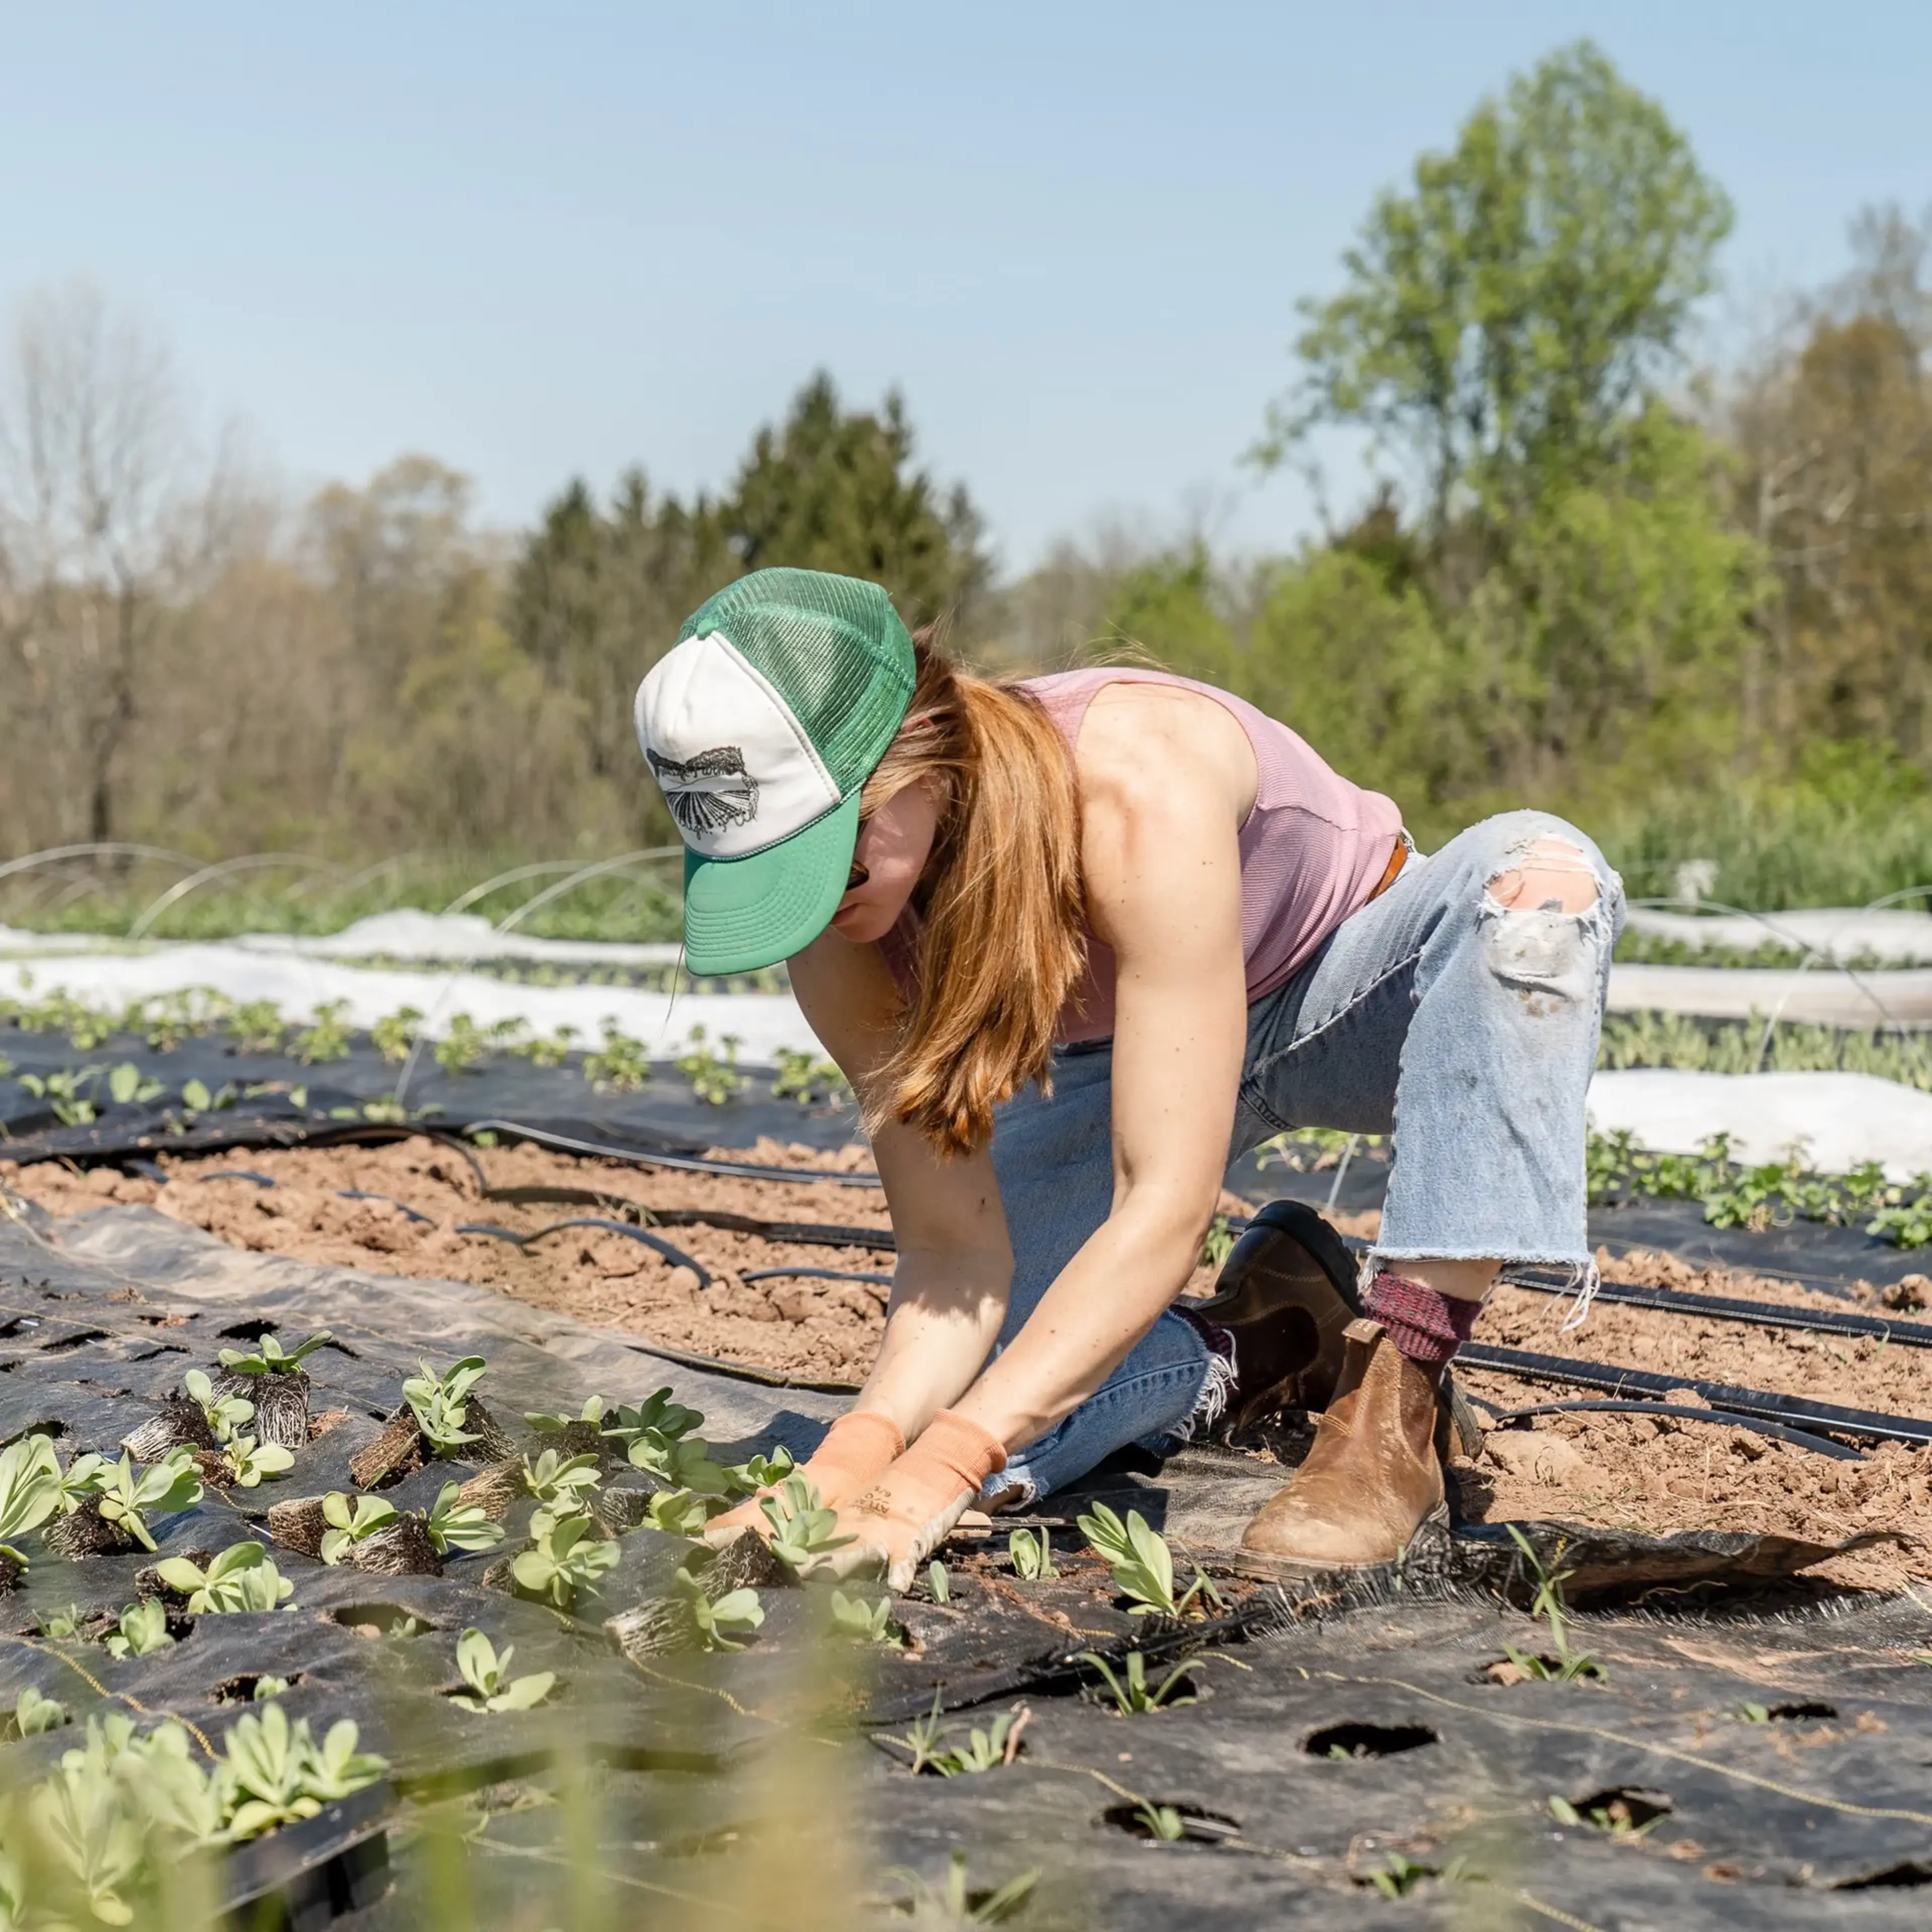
(1692, 606)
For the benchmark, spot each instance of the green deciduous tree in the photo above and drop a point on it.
(1501, 319)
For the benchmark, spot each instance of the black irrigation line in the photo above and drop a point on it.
(817, 1274)
(1821, 1417)
(805, 1234)
(690, 1163)
(1778, 1432)
(675, 1255)
(1727, 1308)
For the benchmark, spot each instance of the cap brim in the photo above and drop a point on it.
(741, 915)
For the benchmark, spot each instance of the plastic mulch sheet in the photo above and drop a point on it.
(1756, 1750)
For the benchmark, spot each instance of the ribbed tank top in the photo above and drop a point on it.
(1313, 850)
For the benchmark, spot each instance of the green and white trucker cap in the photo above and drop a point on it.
(761, 725)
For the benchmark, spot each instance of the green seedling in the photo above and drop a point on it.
(30, 1490)
(1616, 1818)
(939, 1582)
(1400, 1876)
(454, 1524)
(241, 1578)
(129, 1087)
(861, 1622)
(1548, 1603)
(34, 1714)
(952, 1902)
(1131, 1697)
(659, 1414)
(1219, 1242)
(62, 1626)
(565, 1556)
(224, 1414)
(551, 1052)
(266, 1357)
(164, 1488)
(987, 1750)
(437, 1402)
(1143, 1565)
(266, 1688)
(802, 1529)
(804, 1077)
(197, 1100)
(486, 1671)
(679, 1513)
(1754, 1714)
(464, 1047)
(714, 1077)
(351, 1520)
(274, 1773)
(1162, 1822)
(249, 1461)
(590, 1416)
(1032, 1554)
(721, 1625)
(327, 1038)
(621, 1066)
(562, 1482)
(71, 1107)
(257, 1027)
(394, 1033)
(760, 1472)
(143, 1630)
(683, 1461)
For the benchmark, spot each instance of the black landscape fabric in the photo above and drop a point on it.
(1774, 1739)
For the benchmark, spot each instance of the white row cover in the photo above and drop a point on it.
(763, 1021)
(1894, 933)
(455, 939)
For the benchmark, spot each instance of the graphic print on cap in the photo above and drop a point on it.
(737, 769)
(708, 793)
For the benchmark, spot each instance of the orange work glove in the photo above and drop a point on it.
(905, 1516)
(858, 1449)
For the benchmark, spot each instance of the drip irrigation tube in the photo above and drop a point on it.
(806, 1234)
(1778, 1432)
(1728, 1308)
(689, 1163)
(387, 1201)
(1822, 1417)
(237, 1173)
(817, 1274)
(675, 1255)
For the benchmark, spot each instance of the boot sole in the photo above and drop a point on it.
(1266, 1569)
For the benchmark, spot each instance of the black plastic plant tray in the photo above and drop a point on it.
(305, 1875)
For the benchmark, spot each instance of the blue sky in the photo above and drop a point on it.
(539, 242)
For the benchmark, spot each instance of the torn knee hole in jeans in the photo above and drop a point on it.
(1551, 876)
(1544, 920)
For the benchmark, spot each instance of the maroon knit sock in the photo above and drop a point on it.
(1427, 1326)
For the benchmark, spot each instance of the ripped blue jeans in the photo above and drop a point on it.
(1465, 1029)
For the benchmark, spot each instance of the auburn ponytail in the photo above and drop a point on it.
(1003, 938)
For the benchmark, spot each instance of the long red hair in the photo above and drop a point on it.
(1003, 938)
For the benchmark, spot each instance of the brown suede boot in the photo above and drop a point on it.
(1285, 1296)
(1372, 1481)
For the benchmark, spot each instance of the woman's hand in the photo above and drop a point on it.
(904, 1516)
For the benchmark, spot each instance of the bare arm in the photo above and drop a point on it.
(1162, 869)
(955, 1264)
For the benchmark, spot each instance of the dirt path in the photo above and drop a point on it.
(1632, 1471)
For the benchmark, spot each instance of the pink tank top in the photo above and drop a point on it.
(1313, 850)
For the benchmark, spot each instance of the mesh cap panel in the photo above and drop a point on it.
(832, 647)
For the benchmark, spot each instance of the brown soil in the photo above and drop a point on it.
(1630, 1471)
